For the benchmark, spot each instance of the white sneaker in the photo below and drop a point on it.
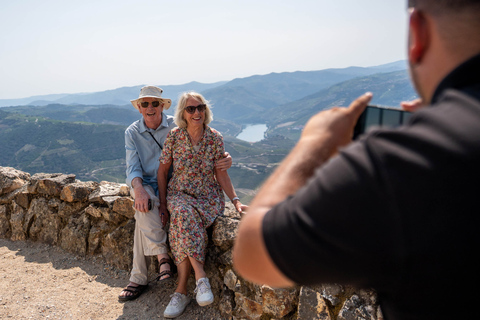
(176, 306)
(204, 292)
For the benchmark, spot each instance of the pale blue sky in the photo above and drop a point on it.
(63, 46)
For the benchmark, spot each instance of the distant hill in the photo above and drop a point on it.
(263, 91)
(35, 144)
(248, 100)
(96, 151)
(389, 89)
(87, 139)
(119, 96)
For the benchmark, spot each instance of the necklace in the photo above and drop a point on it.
(195, 141)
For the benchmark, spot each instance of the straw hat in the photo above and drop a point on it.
(152, 92)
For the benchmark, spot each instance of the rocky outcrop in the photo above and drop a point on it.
(96, 219)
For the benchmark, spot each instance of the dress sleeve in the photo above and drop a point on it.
(220, 146)
(166, 156)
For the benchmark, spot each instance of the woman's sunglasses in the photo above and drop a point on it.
(145, 104)
(200, 107)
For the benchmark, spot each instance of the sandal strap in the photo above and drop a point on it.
(135, 289)
(165, 260)
(168, 261)
(164, 273)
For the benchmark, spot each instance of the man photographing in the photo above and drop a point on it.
(396, 210)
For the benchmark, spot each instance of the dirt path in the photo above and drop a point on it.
(39, 281)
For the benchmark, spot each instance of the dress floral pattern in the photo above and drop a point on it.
(194, 196)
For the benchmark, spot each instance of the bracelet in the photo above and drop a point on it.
(235, 198)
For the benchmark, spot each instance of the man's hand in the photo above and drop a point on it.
(225, 163)
(324, 133)
(413, 105)
(141, 195)
(334, 127)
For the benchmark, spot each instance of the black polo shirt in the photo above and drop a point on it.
(397, 211)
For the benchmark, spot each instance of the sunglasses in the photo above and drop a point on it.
(145, 104)
(200, 107)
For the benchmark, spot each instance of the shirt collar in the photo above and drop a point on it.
(144, 128)
(465, 75)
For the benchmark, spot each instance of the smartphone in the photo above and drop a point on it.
(379, 116)
(149, 204)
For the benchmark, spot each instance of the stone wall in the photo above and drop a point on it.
(96, 219)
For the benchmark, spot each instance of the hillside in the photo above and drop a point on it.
(36, 144)
(96, 151)
(119, 96)
(257, 93)
(87, 139)
(389, 89)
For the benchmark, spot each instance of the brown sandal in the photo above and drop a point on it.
(137, 291)
(170, 272)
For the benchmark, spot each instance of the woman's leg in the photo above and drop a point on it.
(198, 268)
(183, 270)
(204, 294)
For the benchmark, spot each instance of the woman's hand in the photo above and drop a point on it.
(225, 163)
(241, 208)
(164, 214)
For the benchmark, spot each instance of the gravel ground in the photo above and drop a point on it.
(39, 281)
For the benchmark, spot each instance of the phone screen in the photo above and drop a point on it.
(375, 116)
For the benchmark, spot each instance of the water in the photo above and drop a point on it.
(253, 132)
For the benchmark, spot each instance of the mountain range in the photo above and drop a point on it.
(83, 133)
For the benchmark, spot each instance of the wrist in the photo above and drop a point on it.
(235, 198)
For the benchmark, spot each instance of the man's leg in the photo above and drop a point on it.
(149, 240)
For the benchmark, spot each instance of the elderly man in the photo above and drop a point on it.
(396, 210)
(143, 143)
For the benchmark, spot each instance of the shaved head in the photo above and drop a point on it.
(444, 5)
(458, 21)
(442, 35)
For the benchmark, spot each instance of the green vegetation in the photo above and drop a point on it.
(88, 140)
(36, 144)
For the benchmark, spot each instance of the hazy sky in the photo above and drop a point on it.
(63, 46)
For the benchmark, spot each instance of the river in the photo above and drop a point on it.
(253, 132)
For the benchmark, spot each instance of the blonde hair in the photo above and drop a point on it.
(182, 104)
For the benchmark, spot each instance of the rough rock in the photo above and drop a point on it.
(224, 232)
(12, 179)
(78, 191)
(279, 302)
(312, 305)
(96, 219)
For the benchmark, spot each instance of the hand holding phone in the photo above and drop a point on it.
(149, 204)
(376, 116)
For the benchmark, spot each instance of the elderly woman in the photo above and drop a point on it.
(195, 194)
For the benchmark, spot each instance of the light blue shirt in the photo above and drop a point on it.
(143, 152)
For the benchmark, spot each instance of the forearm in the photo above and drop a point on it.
(293, 173)
(137, 182)
(226, 183)
(162, 176)
(321, 138)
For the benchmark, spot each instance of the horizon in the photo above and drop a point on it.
(59, 47)
(192, 81)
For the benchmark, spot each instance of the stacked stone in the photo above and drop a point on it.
(96, 219)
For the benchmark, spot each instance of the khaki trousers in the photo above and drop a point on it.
(149, 239)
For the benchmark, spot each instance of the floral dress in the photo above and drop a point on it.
(194, 196)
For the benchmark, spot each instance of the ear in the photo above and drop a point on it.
(419, 37)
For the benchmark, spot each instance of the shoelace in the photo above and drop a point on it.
(176, 298)
(202, 287)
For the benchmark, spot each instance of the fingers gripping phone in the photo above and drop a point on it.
(376, 116)
(149, 204)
